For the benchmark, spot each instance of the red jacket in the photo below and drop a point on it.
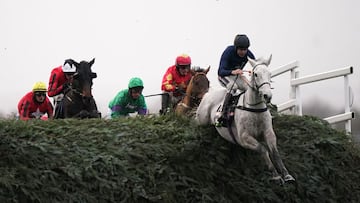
(28, 108)
(172, 79)
(56, 81)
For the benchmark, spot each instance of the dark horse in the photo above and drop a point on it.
(79, 101)
(197, 87)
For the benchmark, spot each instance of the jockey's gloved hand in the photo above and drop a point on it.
(179, 90)
(66, 88)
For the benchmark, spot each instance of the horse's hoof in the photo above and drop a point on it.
(289, 177)
(278, 180)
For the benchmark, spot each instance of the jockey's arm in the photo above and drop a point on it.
(168, 83)
(54, 88)
(116, 111)
(142, 111)
(24, 113)
(168, 87)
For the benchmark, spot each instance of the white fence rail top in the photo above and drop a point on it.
(322, 76)
(294, 104)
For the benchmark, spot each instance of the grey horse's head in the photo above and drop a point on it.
(261, 78)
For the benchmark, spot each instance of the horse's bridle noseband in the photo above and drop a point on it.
(196, 98)
(256, 87)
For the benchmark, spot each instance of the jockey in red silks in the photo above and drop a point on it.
(174, 82)
(60, 83)
(35, 104)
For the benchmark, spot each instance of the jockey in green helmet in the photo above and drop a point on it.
(129, 100)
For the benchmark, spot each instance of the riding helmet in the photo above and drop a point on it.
(39, 87)
(135, 82)
(69, 66)
(183, 60)
(241, 42)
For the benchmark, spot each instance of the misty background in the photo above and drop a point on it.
(142, 38)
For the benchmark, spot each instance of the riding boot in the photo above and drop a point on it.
(59, 113)
(222, 121)
(234, 100)
(165, 100)
(56, 111)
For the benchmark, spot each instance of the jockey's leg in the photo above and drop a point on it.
(222, 120)
(228, 83)
(58, 112)
(165, 103)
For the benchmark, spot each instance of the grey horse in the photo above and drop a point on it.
(252, 120)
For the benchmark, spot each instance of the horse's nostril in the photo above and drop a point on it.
(267, 98)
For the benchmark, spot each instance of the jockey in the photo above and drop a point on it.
(232, 61)
(60, 83)
(174, 82)
(35, 104)
(129, 100)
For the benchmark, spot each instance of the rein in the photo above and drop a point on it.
(190, 98)
(255, 88)
(76, 92)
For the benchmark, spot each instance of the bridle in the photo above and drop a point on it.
(76, 91)
(256, 87)
(195, 99)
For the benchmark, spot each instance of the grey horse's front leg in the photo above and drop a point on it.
(250, 142)
(275, 156)
(276, 159)
(265, 154)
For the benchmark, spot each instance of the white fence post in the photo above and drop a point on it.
(295, 103)
(347, 102)
(298, 107)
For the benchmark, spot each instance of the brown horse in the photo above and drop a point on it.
(79, 101)
(197, 87)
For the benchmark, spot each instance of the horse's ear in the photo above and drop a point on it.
(207, 70)
(267, 62)
(76, 64)
(192, 71)
(252, 62)
(92, 61)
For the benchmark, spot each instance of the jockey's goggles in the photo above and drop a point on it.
(39, 94)
(137, 90)
(183, 67)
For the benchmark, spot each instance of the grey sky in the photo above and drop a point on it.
(143, 37)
